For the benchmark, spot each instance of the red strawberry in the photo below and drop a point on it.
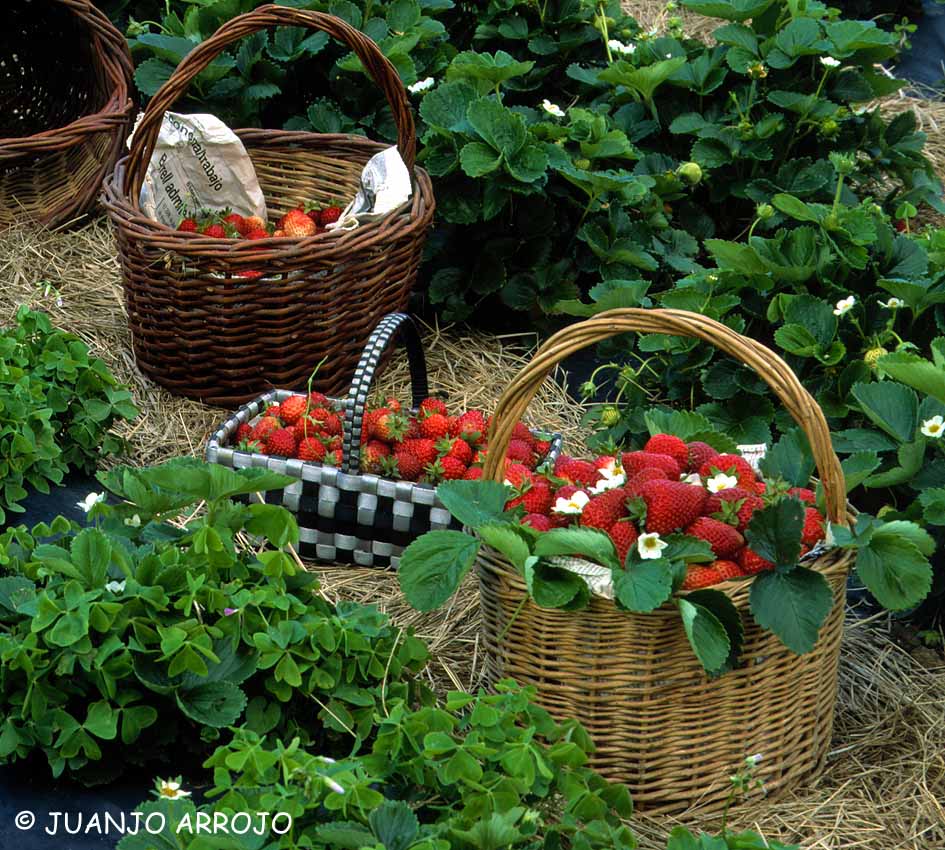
(538, 498)
(371, 455)
(311, 449)
(470, 426)
(407, 466)
(520, 432)
(519, 476)
(435, 426)
(727, 569)
(542, 447)
(237, 222)
(454, 447)
(667, 444)
(671, 505)
(333, 458)
(431, 405)
(624, 534)
(724, 540)
(217, 231)
(297, 225)
(446, 468)
(604, 510)
(751, 562)
(699, 453)
(734, 506)
(521, 451)
(254, 222)
(731, 465)
(388, 426)
(697, 577)
(813, 527)
(335, 443)
(393, 404)
(257, 233)
(474, 473)
(251, 446)
(331, 425)
(539, 522)
(329, 215)
(281, 442)
(804, 495)
(901, 225)
(640, 478)
(264, 427)
(634, 462)
(187, 225)
(292, 409)
(319, 400)
(423, 449)
(576, 471)
(243, 432)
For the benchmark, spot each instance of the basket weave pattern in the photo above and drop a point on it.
(659, 724)
(203, 331)
(62, 122)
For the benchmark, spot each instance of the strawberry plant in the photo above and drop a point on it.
(58, 405)
(140, 638)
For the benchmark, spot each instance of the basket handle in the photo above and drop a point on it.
(391, 326)
(775, 372)
(377, 65)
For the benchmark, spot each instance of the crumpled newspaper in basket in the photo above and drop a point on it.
(598, 578)
(385, 186)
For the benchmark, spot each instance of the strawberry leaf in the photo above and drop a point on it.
(793, 605)
(707, 635)
(432, 567)
(723, 609)
(644, 584)
(508, 540)
(553, 587)
(589, 542)
(894, 569)
(474, 503)
(775, 532)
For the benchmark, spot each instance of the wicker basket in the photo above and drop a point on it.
(344, 515)
(203, 331)
(65, 78)
(660, 725)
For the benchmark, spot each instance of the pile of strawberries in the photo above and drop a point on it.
(429, 447)
(671, 486)
(304, 220)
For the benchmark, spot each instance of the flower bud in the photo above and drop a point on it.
(609, 416)
(764, 211)
(690, 171)
(582, 163)
(588, 388)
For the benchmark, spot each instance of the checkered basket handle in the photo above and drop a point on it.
(390, 327)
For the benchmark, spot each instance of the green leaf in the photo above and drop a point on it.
(729, 10)
(402, 16)
(101, 721)
(433, 566)
(793, 605)
(774, 532)
(503, 129)
(474, 503)
(720, 605)
(644, 80)
(445, 106)
(551, 586)
(394, 824)
(507, 540)
(858, 467)
(790, 458)
(894, 570)
(91, 553)
(344, 835)
(589, 542)
(707, 635)
(933, 506)
(495, 69)
(916, 372)
(796, 208)
(644, 584)
(215, 704)
(889, 406)
(478, 159)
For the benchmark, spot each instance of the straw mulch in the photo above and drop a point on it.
(885, 784)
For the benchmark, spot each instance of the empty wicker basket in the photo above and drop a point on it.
(659, 724)
(65, 113)
(202, 330)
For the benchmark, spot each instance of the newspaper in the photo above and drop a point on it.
(199, 163)
(385, 186)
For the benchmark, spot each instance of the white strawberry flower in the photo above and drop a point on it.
(552, 108)
(115, 587)
(621, 47)
(133, 521)
(892, 303)
(752, 761)
(829, 62)
(721, 481)
(337, 787)
(573, 504)
(611, 476)
(650, 545)
(421, 86)
(90, 501)
(692, 478)
(933, 427)
(171, 790)
(844, 305)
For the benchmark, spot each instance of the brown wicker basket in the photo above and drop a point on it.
(65, 110)
(660, 725)
(201, 330)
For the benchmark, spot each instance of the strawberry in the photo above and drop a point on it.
(413, 429)
(329, 215)
(667, 444)
(623, 534)
(281, 442)
(335, 443)
(331, 425)
(474, 473)
(292, 409)
(264, 427)
(633, 462)
(311, 449)
(813, 527)
(278, 233)
(187, 225)
(372, 454)
(423, 449)
(333, 458)
(254, 222)
(731, 465)
(393, 404)
(434, 426)
(761, 488)
(431, 405)
(470, 426)
(388, 426)
(671, 505)
(520, 432)
(699, 453)
(454, 447)
(539, 522)
(751, 562)
(446, 469)
(538, 498)
(727, 569)
(542, 447)
(576, 471)
(697, 577)
(901, 225)
(243, 432)
(297, 225)
(604, 510)
(316, 399)
(734, 506)
(724, 540)
(633, 486)
(521, 451)
(804, 495)
(519, 476)
(237, 222)
(217, 231)
(408, 466)
(256, 233)
(566, 492)
(251, 446)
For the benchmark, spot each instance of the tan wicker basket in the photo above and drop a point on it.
(660, 725)
(202, 330)
(65, 109)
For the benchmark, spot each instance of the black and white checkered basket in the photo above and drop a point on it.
(344, 515)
